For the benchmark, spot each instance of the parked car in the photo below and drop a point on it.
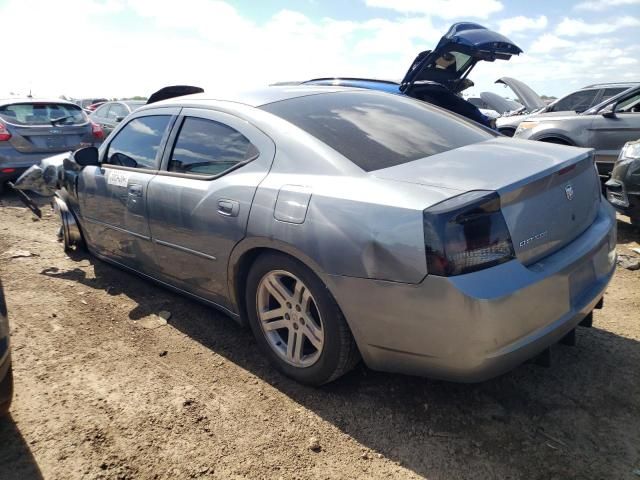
(623, 189)
(110, 114)
(91, 108)
(439, 76)
(605, 127)
(6, 371)
(573, 103)
(344, 222)
(31, 130)
(85, 102)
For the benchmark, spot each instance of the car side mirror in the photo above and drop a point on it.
(119, 118)
(87, 156)
(611, 113)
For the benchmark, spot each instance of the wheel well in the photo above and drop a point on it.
(556, 140)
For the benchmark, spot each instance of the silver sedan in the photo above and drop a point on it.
(343, 224)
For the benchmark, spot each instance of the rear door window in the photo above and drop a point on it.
(117, 110)
(377, 130)
(208, 148)
(610, 92)
(137, 145)
(576, 102)
(37, 113)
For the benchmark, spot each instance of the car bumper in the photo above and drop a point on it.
(627, 203)
(14, 164)
(477, 326)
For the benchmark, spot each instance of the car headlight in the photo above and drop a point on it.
(631, 150)
(525, 126)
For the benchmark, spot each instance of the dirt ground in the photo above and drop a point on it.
(105, 389)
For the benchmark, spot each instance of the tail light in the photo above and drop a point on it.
(97, 131)
(4, 133)
(465, 234)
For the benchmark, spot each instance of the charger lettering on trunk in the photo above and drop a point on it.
(537, 236)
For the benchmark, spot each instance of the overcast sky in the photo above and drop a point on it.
(120, 48)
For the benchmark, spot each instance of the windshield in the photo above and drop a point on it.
(42, 114)
(377, 130)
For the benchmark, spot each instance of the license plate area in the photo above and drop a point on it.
(55, 141)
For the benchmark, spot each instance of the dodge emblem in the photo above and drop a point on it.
(568, 191)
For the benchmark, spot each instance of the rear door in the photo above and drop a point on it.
(113, 196)
(199, 202)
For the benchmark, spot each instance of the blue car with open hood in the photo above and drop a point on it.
(438, 76)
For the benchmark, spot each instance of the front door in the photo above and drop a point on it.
(199, 202)
(610, 134)
(113, 196)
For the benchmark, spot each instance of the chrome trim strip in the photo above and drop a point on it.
(119, 229)
(184, 249)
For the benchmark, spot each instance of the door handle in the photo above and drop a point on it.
(228, 208)
(134, 190)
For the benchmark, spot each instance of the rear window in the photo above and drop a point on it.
(42, 114)
(377, 131)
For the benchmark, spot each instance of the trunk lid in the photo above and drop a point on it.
(37, 139)
(549, 193)
(467, 43)
(527, 96)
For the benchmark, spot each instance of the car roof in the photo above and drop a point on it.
(14, 100)
(612, 85)
(252, 97)
(368, 83)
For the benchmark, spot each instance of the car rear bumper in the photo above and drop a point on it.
(14, 163)
(476, 326)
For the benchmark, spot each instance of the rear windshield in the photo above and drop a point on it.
(376, 130)
(42, 114)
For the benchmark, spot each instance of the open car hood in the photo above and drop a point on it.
(500, 104)
(530, 99)
(469, 43)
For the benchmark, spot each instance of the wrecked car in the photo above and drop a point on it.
(623, 188)
(439, 76)
(605, 127)
(343, 223)
(573, 103)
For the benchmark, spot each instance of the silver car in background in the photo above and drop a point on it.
(345, 223)
(605, 128)
(571, 104)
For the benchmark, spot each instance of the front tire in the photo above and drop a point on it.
(296, 321)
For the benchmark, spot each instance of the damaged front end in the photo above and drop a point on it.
(56, 177)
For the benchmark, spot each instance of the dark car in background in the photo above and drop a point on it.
(623, 188)
(6, 372)
(110, 114)
(31, 130)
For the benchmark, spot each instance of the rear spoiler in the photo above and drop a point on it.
(172, 92)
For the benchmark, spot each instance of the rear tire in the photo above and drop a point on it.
(296, 321)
